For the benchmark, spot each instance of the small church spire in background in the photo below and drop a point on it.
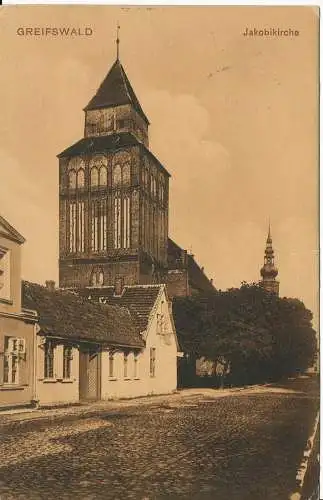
(269, 271)
(118, 41)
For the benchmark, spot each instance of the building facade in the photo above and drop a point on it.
(269, 271)
(17, 326)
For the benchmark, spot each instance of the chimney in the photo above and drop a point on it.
(211, 281)
(118, 286)
(50, 285)
(202, 269)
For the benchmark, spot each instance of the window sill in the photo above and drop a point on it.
(127, 378)
(12, 387)
(48, 380)
(137, 378)
(112, 379)
(67, 380)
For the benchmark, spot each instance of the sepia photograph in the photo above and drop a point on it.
(159, 252)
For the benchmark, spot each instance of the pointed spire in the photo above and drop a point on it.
(269, 240)
(118, 40)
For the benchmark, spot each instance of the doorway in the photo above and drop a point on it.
(89, 373)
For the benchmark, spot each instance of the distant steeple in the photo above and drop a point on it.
(269, 271)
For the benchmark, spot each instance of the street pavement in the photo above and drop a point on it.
(205, 444)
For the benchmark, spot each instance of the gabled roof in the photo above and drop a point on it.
(116, 90)
(138, 299)
(103, 143)
(10, 232)
(65, 314)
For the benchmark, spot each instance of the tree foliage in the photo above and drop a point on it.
(262, 336)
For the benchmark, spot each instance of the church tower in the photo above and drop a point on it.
(113, 194)
(269, 271)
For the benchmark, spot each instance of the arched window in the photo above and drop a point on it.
(117, 220)
(100, 278)
(116, 179)
(80, 178)
(126, 174)
(97, 277)
(103, 176)
(93, 279)
(72, 179)
(94, 176)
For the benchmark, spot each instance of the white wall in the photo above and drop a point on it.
(165, 380)
(57, 390)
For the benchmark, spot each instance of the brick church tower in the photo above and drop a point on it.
(113, 194)
(269, 271)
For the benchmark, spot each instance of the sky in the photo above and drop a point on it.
(234, 119)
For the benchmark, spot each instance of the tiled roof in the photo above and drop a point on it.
(65, 314)
(104, 143)
(116, 90)
(100, 143)
(138, 299)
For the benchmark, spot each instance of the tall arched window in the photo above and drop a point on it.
(126, 174)
(117, 220)
(72, 179)
(97, 277)
(126, 223)
(80, 178)
(116, 175)
(72, 227)
(94, 176)
(103, 176)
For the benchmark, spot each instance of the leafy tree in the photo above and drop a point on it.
(262, 336)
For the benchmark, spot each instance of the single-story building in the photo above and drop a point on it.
(92, 348)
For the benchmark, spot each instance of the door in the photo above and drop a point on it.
(90, 364)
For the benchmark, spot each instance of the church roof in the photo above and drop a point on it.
(65, 314)
(178, 258)
(138, 299)
(116, 90)
(96, 144)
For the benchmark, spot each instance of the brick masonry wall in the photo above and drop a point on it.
(79, 275)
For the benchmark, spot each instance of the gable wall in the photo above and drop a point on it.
(165, 380)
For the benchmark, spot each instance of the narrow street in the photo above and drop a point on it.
(243, 445)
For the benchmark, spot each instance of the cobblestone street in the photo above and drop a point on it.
(244, 445)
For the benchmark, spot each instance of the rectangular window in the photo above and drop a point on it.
(135, 366)
(125, 365)
(152, 368)
(111, 365)
(67, 362)
(13, 348)
(49, 360)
